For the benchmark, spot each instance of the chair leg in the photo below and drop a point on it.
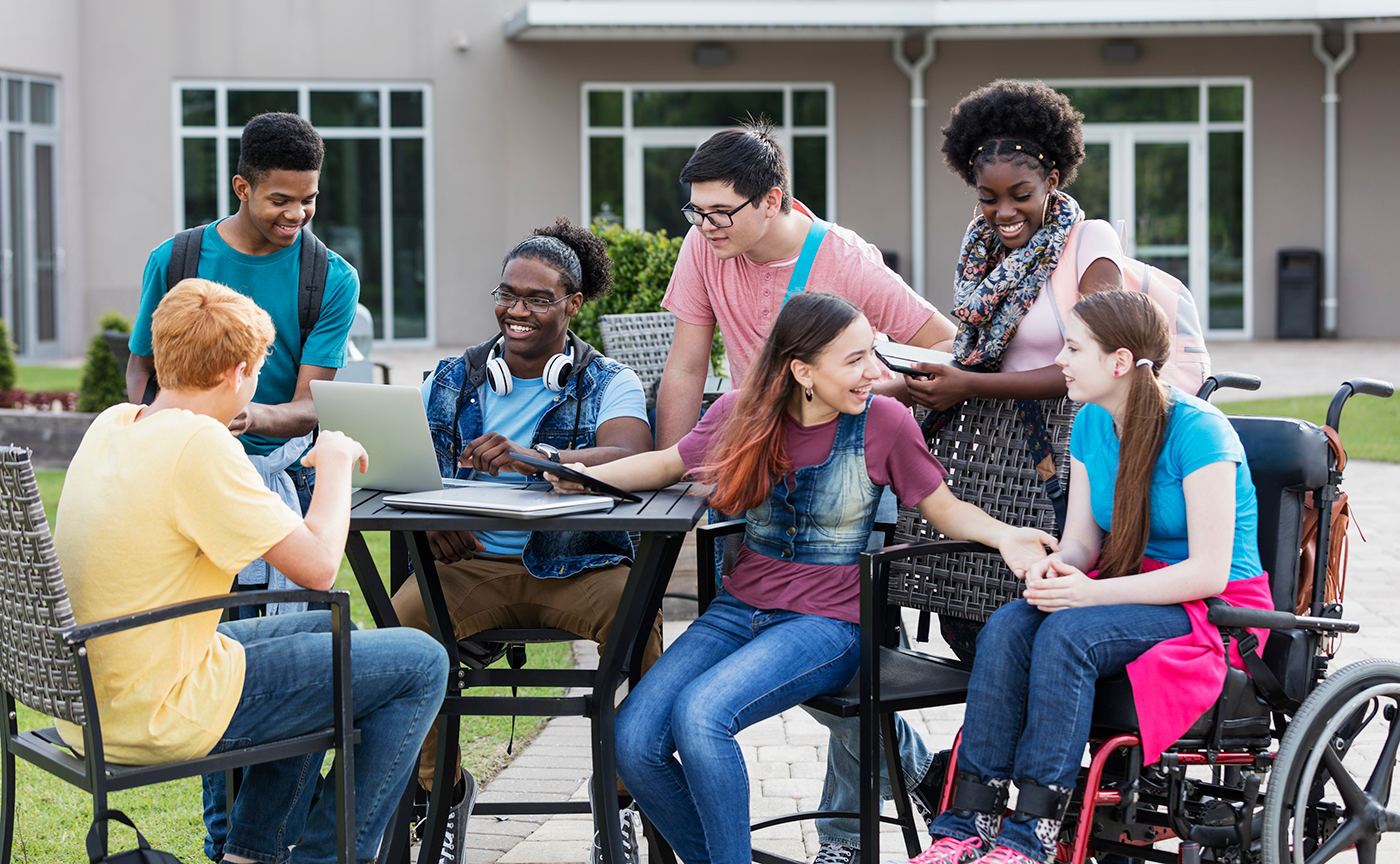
(393, 847)
(7, 814)
(604, 781)
(658, 850)
(898, 787)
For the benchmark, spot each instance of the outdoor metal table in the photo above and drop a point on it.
(663, 517)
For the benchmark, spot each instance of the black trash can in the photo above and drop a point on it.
(1299, 293)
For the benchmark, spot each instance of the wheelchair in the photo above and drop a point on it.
(1293, 764)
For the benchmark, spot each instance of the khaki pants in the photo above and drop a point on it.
(491, 592)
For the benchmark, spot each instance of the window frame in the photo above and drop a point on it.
(26, 332)
(222, 132)
(635, 139)
(1199, 132)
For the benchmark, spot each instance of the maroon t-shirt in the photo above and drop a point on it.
(895, 455)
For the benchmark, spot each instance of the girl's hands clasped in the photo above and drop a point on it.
(1053, 584)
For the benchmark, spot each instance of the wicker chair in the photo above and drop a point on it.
(641, 341)
(44, 665)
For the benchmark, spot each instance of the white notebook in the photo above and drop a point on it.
(494, 499)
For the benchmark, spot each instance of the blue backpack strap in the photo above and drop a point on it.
(803, 268)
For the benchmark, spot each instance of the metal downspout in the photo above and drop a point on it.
(917, 104)
(1330, 98)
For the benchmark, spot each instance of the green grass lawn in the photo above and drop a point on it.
(1370, 427)
(37, 379)
(52, 817)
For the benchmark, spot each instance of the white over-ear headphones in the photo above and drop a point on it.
(556, 371)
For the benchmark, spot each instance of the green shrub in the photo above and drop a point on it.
(7, 358)
(642, 264)
(103, 384)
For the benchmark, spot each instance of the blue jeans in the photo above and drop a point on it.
(399, 678)
(841, 791)
(1031, 697)
(734, 666)
(304, 479)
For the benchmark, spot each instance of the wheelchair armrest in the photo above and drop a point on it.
(1230, 616)
(83, 632)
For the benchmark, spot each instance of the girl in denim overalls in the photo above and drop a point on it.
(804, 452)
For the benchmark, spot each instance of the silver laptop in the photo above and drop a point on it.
(499, 499)
(391, 424)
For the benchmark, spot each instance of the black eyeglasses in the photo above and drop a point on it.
(718, 218)
(507, 300)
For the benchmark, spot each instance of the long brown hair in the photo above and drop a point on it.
(1132, 320)
(750, 454)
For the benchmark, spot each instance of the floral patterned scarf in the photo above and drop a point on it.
(995, 287)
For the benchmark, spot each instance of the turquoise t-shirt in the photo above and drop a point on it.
(1198, 434)
(271, 282)
(517, 415)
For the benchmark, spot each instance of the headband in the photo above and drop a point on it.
(1023, 146)
(552, 247)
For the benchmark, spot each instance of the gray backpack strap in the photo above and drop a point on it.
(315, 262)
(184, 256)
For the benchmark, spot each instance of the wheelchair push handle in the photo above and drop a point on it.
(1363, 386)
(1231, 380)
(1268, 619)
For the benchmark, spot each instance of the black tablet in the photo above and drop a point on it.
(592, 484)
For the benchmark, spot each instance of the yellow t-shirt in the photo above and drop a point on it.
(157, 512)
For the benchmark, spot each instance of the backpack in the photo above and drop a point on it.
(315, 264)
(1189, 364)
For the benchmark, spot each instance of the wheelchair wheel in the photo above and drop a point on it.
(1330, 785)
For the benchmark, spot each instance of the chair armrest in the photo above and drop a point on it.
(719, 529)
(83, 632)
(707, 569)
(926, 547)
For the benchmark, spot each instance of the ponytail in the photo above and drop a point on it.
(1132, 320)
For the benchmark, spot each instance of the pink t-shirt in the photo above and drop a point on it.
(744, 297)
(895, 455)
(1038, 339)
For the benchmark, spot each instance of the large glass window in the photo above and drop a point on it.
(638, 137)
(30, 247)
(375, 183)
(1169, 162)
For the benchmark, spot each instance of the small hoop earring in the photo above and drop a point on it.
(808, 394)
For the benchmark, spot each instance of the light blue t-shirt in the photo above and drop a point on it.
(517, 415)
(271, 281)
(1198, 434)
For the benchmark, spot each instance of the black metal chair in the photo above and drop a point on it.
(44, 665)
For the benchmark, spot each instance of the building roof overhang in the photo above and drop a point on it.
(699, 20)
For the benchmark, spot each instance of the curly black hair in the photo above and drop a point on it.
(592, 253)
(1019, 121)
(277, 141)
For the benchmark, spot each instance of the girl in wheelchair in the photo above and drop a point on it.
(1162, 505)
(806, 452)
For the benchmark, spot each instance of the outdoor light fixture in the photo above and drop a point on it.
(712, 54)
(1121, 51)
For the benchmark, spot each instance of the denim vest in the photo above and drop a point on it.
(827, 517)
(568, 424)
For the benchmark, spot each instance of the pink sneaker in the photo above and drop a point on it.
(946, 850)
(1007, 855)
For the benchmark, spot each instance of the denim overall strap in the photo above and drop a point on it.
(826, 516)
(797, 282)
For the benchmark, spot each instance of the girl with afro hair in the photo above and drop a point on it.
(1017, 144)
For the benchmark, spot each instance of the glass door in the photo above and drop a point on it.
(1149, 183)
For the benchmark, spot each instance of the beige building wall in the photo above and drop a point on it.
(1369, 145)
(506, 129)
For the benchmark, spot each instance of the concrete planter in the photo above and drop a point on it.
(53, 436)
